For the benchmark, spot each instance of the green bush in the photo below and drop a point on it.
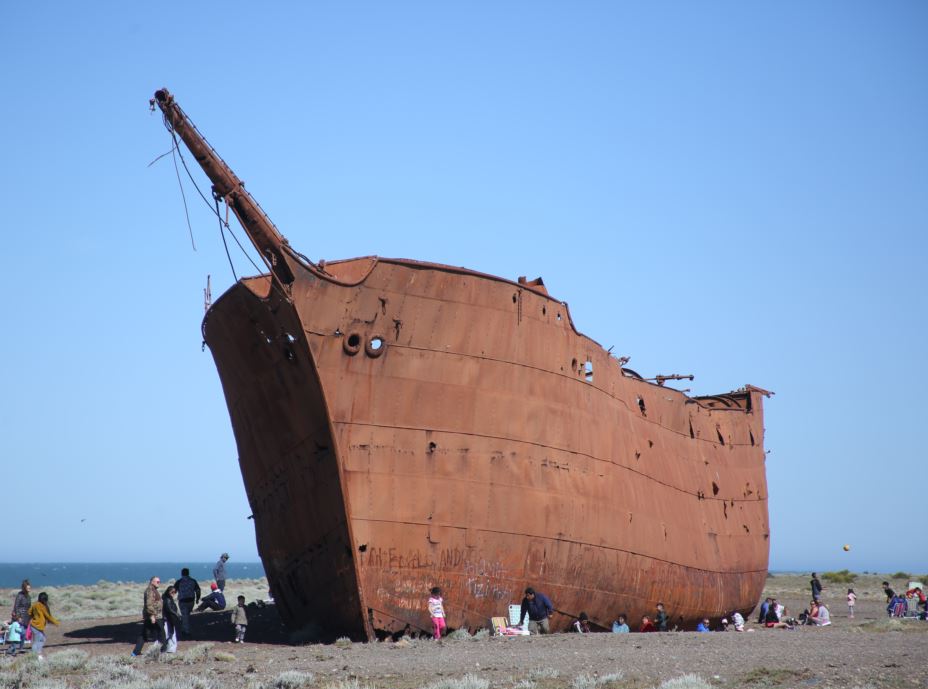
(840, 577)
(901, 575)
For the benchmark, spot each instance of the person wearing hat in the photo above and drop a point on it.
(214, 601)
(219, 572)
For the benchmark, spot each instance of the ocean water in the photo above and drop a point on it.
(67, 573)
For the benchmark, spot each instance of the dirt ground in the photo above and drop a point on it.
(869, 651)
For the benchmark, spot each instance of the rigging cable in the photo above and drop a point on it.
(182, 194)
(223, 225)
(222, 233)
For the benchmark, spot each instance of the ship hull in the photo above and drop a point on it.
(404, 425)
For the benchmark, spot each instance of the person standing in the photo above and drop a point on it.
(219, 571)
(660, 619)
(240, 620)
(188, 595)
(172, 619)
(21, 605)
(851, 601)
(39, 616)
(816, 587)
(14, 635)
(437, 612)
(538, 608)
(152, 608)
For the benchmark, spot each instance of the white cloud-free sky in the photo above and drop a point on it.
(734, 190)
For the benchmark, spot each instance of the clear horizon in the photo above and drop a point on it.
(723, 189)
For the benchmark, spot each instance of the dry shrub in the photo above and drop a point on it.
(686, 682)
(459, 635)
(544, 673)
(343, 642)
(198, 654)
(524, 684)
(481, 634)
(67, 661)
(292, 679)
(842, 576)
(468, 681)
(348, 684)
(224, 657)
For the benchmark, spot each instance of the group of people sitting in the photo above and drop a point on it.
(897, 604)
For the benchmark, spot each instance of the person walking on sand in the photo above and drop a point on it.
(21, 605)
(240, 620)
(219, 571)
(39, 616)
(538, 608)
(152, 609)
(437, 612)
(188, 595)
(851, 601)
(172, 619)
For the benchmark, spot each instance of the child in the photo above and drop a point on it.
(851, 600)
(582, 624)
(14, 634)
(40, 614)
(620, 626)
(240, 620)
(437, 612)
(660, 619)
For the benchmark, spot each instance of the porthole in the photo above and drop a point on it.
(375, 346)
(352, 344)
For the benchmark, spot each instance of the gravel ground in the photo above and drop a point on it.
(869, 651)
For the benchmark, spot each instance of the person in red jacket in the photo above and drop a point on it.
(922, 603)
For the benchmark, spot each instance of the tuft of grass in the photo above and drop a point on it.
(459, 635)
(583, 681)
(67, 661)
(348, 684)
(481, 634)
(291, 679)
(343, 642)
(766, 677)
(524, 684)
(842, 576)
(686, 682)
(198, 654)
(468, 681)
(224, 657)
(544, 673)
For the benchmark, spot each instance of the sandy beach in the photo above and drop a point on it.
(868, 651)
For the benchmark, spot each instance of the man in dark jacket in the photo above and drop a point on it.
(188, 595)
(538, 608)
(816, 587)
(214, 601)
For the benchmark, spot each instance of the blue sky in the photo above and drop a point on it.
(734, 190)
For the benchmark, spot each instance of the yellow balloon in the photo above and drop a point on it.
(846, 548)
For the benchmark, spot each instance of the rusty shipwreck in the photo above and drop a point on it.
(402, 425)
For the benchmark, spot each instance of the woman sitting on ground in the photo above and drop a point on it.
(822, 618)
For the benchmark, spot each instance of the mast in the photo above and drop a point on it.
(227, 186)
